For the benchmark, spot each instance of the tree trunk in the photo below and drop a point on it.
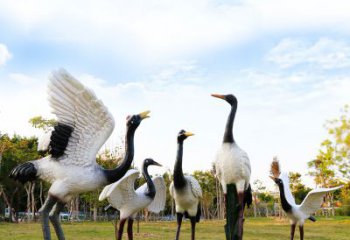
(95, 213)
(33, 200)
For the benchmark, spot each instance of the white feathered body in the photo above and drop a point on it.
(67, 180)
(187, 198)
(122, 195)
(311, 203)
(232, 166)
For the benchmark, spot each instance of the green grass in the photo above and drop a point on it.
(255, 229)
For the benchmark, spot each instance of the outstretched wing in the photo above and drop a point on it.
(195, 187)
(314, 199)
(84, 122)
(122, 191)
(288, 194)
(158, 202)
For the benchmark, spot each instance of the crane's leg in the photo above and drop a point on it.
(292, 230)
(241, 215)
(193, 227)
(130, 234)
(301, 230)
(54, 218)
(179, 217)
(44, 215)
(121, 228)
(232, 213)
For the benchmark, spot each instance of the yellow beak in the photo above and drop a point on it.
(187, 134)
(144, 114)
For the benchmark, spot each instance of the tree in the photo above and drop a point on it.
(298, 189)
(339, 129)
(42, 123)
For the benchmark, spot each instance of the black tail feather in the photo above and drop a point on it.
(24, 172)
(248, 198)
(312, 218)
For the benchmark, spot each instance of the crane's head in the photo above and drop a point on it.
(230, 98)
(278, 181)
(135, 120)
(149, 161)
(183, 135)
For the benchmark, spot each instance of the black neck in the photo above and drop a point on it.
(179, 178)
(117, 173)
(285, 205)
(228, 136)
(151, 190)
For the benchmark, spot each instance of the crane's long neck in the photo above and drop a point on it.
(285, 205)
(179, 178)
(151, 191)
(228, 135)
(117, 173)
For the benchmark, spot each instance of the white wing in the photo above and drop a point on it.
(314, 199)
(122, 191)
(285, 180)
(195, 187)
(77, 106)
(158, 203)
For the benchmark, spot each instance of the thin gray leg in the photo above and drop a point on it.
(44, 216)
(54, 218)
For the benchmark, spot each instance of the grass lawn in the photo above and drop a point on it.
(255, 229)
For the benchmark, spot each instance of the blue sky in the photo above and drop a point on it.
(286, 61)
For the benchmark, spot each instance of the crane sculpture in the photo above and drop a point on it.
(83, 125)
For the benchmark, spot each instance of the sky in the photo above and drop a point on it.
(287, 62)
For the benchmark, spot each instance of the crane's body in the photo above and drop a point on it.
(232, 167)
(185, 190)
(187, 198)
(298, 214)
(122, 196)
(83, 125)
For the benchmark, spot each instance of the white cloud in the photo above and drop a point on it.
(5, 55)
(324, 53)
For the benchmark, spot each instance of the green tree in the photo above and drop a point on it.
(42, 123)
(339, 129)
(299, 190)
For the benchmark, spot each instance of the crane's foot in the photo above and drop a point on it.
(292, 231)
(44, 216)
(55, 219)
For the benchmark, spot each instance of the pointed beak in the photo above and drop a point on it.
(273, 178)
(218, 96)
(187, 134)
(157, 164)
(144, 114)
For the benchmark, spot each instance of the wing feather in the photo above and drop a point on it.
(77, 106)
(158, 203)
(122, 191)
(314, 199)
(195, 187)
